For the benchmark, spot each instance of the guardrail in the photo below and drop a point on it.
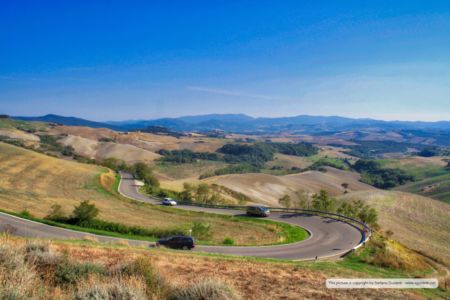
(363, 227)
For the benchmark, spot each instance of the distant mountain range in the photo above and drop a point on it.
(437, 133)
(240, 123)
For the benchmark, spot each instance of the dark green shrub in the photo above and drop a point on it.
(26, 213)
(201, 230)
(85, 212)
(228, 241)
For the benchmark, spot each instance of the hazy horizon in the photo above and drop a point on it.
(248, 115)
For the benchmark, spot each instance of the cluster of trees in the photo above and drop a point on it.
(201, 193)
(82, 214)
(255, 154)
(323, 202)
(299, 149)
(374, 174)
(162, 130)
(338, 163)
(369, 149)
(430, 152)
(357, 209)
(187, 156)
(244, 158)
(50, 143)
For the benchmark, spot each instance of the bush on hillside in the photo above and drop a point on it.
(85, 212)
(201, 230)
(208, 289)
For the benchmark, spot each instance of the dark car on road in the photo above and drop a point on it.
(258, 210)
(177, 242)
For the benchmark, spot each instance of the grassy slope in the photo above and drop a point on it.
(32, 181)
(422, 224)
(436, 187)
(253, 278)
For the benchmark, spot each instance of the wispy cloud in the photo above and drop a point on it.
(231, 93)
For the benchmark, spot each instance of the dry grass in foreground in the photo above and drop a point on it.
(34, 182)
(80, 271)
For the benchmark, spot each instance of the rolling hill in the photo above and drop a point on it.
(101, 150)
(267, 189)
(420, 223)
(34, 182)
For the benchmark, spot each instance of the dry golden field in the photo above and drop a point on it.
(101, 150)
(33, 181)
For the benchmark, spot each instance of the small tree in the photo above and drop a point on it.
(368, 215)
(85, 212)
(346, 209)
(144, 172)
(303, 199)
(323, 202)
(202, 194)
(201, 230)
(188, 192)
(285, 201)
(68, 151)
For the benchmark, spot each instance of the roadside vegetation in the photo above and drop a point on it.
(323, 202)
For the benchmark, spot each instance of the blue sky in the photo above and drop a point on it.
(115, 60)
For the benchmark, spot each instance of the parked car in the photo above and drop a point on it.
(169, 201)
(177, 242)
(258, 210)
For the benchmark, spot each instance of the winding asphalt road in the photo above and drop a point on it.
(329, 238)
